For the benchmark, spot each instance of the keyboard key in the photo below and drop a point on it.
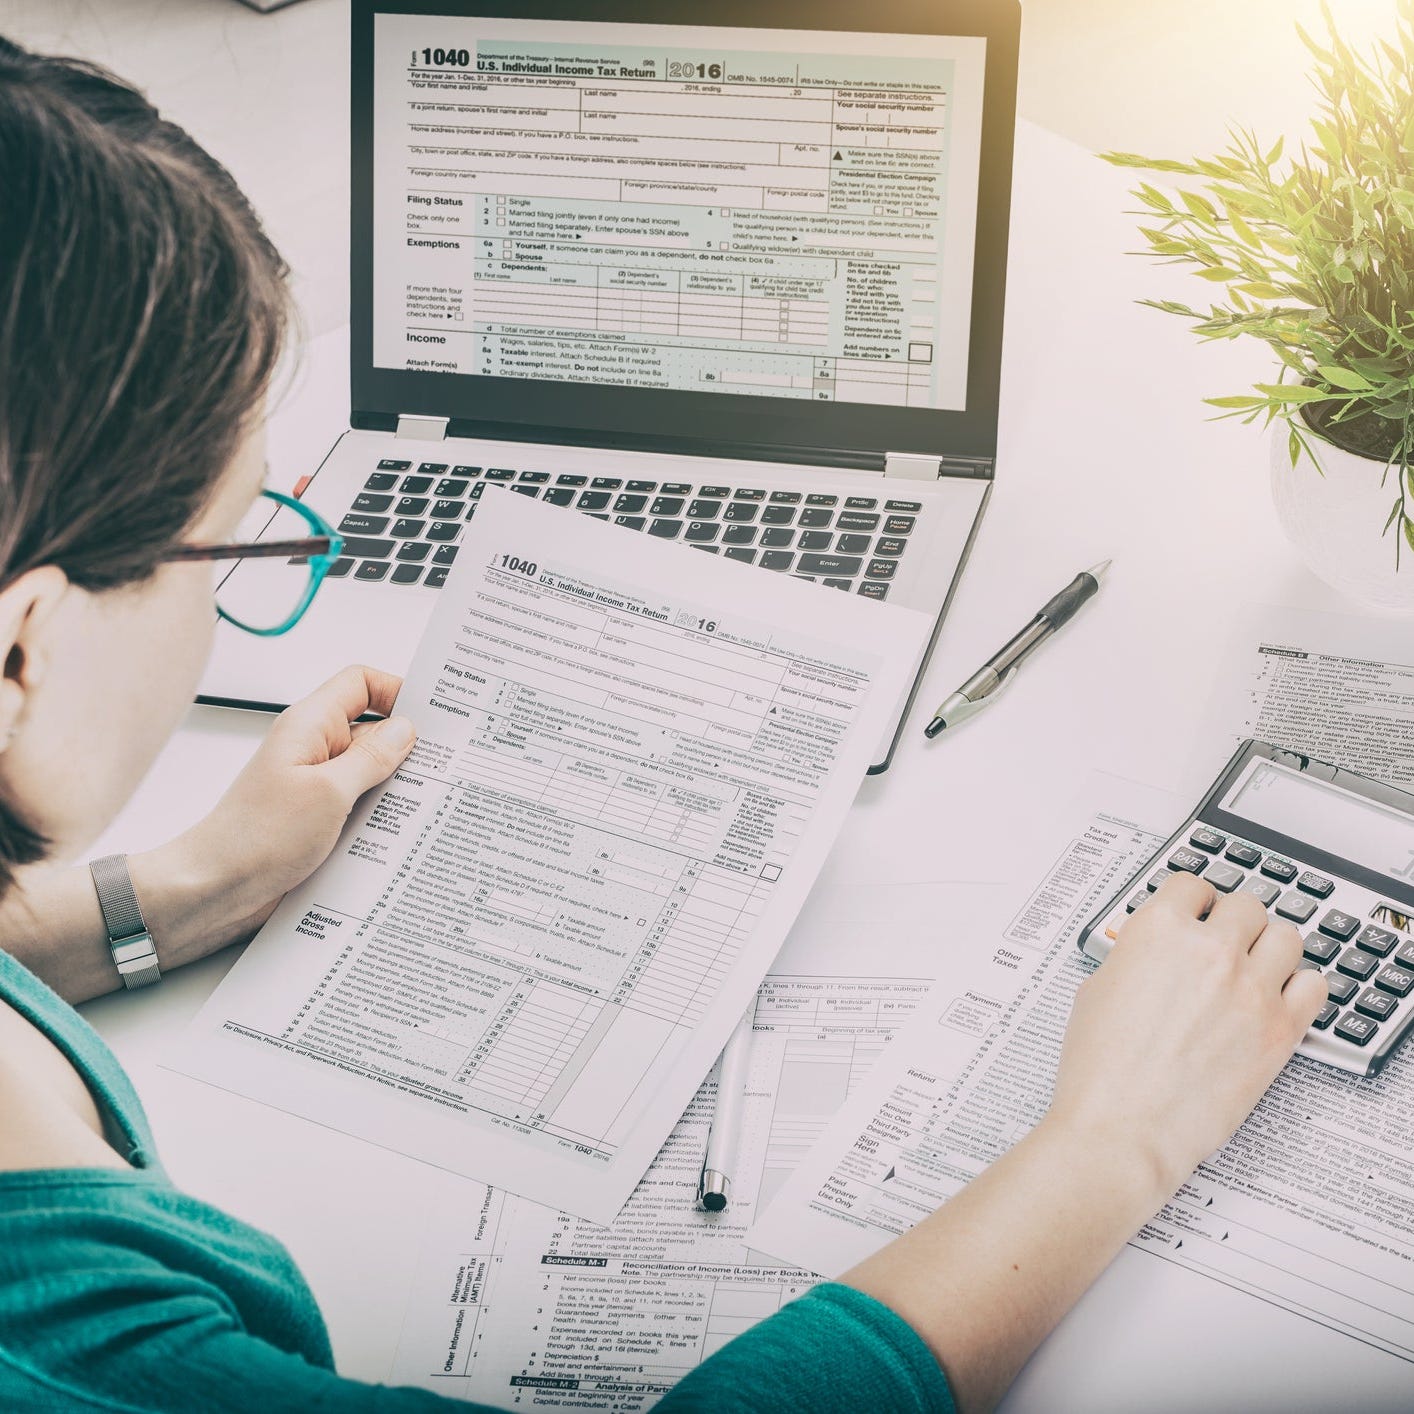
(607, 483)
(371, 569)
(1379, 941)
(443, 530)
(380, 481)
(411, 506)
(741, 535)
(415, 485)
(365, 502)
(406, 574)
(407, 529)
(1244, 855)
(1187, 861)
(387, 464)
(522, 489)
(745, 493)
(704, 510)
(777, 559)
(448, 510)
(1339, 925)
(1356, 1029)
(597, 515)
(1209, 841)
(630, 505)
(451, 488)
(676, 488)
(1224, 878)
(1296, 907)
(880, 569)
(778, 515)
(413, 550)
(436, 577)
(854, 544)
(816, 539)
(366, 548)
(872, 589)
(536, 478)
(702, 531)
(500, 473)
(817, 498)
(777, 536)
(861, 503)
(570, 480)
(785, 498)
(898, 525)
(747, 557)
(666, 506)
(632, 522)
(1340, 989)
(432, 468)
(445, 555)
(1380, 1005)
(1329, 1012)
(1279, 869)
(1394, 980)
(593, 500)
(903, 505)
(1158, 877)
(710, 549)
(853, 520)
(815, 519)
(649, 486)
(467, 471)
(339, 568)
(559, 495)
(716, 493)
(1316, 884)
(741, 510)
(1355, 963)
(666, 529)
(362, 525)
(890, 545)
(838, 565)
(1261, 889)
(1320, 949)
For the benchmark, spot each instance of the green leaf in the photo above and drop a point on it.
(1200, 206)
(1242, 400)
(1294, 393)
(1409, 532)
(1344, 378)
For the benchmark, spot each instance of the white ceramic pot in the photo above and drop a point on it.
(1334, 521)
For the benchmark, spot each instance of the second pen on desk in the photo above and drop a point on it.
(720, 1161)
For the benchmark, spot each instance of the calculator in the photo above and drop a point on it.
(1329, 851)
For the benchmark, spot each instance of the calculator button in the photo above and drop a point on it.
(1243, 854)
(1380, 1005)
(1355, 963)
(1261, 889)
(1340, 989)
(1158, 877)
(1186, 861)
(1296, 907)
(1356, 1029)
(1339, 925)
(1224, 878)
(1405, 956)
(1320, 949)
(1379, 941)
(1209, 841)
(1394, 980)
(1316, 884)
(1329, 1012)
(1137, 901)
(1279, 869)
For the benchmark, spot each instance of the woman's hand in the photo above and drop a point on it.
(283, 814)
(1180, 1031)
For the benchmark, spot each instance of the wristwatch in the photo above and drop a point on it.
(134, 954)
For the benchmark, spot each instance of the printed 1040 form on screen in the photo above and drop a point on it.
(529, 946)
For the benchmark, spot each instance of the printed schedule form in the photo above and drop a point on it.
(529, 946)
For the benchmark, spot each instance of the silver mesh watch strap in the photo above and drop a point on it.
(133, 952)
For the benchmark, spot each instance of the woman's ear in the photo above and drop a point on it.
(26, 606)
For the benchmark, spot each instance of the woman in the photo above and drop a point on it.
(141, 314)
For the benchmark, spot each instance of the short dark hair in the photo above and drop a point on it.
(142, 313)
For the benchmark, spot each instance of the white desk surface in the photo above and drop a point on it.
(1105, 451)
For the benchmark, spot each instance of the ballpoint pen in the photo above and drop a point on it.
(715, 1185)
(987, 682)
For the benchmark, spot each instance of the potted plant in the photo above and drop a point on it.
(1314, 255)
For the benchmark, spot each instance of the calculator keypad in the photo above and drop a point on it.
(1368, 968)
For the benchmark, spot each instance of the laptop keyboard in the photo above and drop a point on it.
(403, 527)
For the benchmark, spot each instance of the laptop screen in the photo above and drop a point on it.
(771, 213)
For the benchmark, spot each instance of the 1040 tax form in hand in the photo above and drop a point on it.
(529, 946)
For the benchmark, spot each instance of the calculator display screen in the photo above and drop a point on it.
(1362, 831)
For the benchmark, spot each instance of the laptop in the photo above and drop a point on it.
(729, 275)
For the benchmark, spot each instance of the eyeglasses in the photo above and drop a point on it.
(277, 578)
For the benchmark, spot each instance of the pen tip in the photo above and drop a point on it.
(934, 727)
(1098, 573)
(714, 1202)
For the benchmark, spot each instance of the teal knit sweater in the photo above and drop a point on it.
(118, 1293)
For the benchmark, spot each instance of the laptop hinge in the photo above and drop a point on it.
(421, 429)
(911, 466)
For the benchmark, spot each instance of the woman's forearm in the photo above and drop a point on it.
(988, 1276)
(51, 922)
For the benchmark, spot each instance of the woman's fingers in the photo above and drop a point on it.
(1276, 953)
(1240, 919)
(324, 715)
(1186, 893)
(1304, 995)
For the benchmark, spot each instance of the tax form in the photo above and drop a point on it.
(529, 946)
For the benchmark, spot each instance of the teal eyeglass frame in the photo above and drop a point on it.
(320, 549)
